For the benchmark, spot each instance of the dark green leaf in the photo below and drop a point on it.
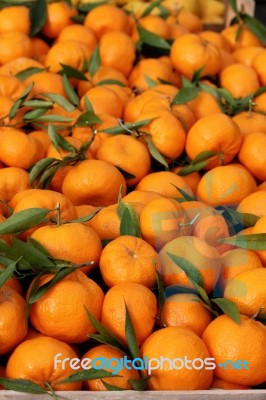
(110, 82)
(187, 83)
(7, 273)
(250, 242)
(85, 8)
(23, 220)
(40, 167)
(255, 26)
(14, 109)
(111, 388)
(88, 118)
(71, 94)
(22, 385)
(60, 100)
(131, 126)
(153, 40)
(156, 154)
(186, 196)
(38, 15)
(38, 246)
(84, 219)
(189, 169)
(197, 75)
(238, 32)
(229, 308)
(248, 220)
(71, 72)
(38, 104)
(201, 293)
(34, 114)
(233, 4)
(130, 222)
(54, 118)
(150, 7)
(185, 95)
(88, 374)
(61, 274)
(47, 176)
(27, 72)
(31, 254)
(161, 299)
(190, 270)
(204, 155)
(95, 61)
(132, 343)
(58, 141)
(139, 384)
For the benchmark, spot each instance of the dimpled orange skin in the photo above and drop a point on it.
(255, 204)
(34, 360)
(61, 315)
(227, 340)
(177, 342)
(215, 132)
(12, 181)
(93, 182)
(253, 154)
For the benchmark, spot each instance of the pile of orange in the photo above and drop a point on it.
(143, 142)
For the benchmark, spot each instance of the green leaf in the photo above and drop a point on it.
(71, 94)
(156, 154)
(229, 308)
(85, 8)
(190, 270)
(84, 219)
(8, 255)
(238, 32)
(110, 338)
(197, 75)
(131, 126)
(139, 384)
(54, 118)
(38, 246)
(7, 273)
(23, 220)
(161, 299)
(185, 95)
(201, 293)
(203, 156)
(250, 242)
(88, 118)
(132, 343)
(27, 72)
(71, 72)
(233, 4)
(88, 375)
(150, 82)
(94, 62)
(22, 385)
(38, 104)
(47, 176)
(153, 40)
(40, 167)
(31, 254)
(149, 9)
(189, 169)
(255, 26)
(129, 224)
(58, 141)
(111, 388)
(61, 274)
(34, 114)
(60, 100)
(88, 105)
(110, 82)
(186, 196)
(14, 109)
(248, 220)
(38, 15)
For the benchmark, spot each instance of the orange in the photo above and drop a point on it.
(5, 238)
(153, 68)
(216, 132)
(12, 319)
(187, 19)
(74, 242)
(192, 180)
(260, 227)
(226, 185)
(14, 45)
(39, 49)
(79, 33)
(60, 312)
(69, 52)
(245, 39)
(174, 345)
(46, 82)
(106, 18)
(250, 122)
(110, 354)
(93, 182)
(156, 25)
(227, 340)
(211, 229)
(85, 210)
(260, 103)
(203, 105)
(122, 151)
(162, 220)
(185, 115)
(19, 64)
(218, 383)
(18, 149)
(34, 360)
(166, 131)
(12, 87)
(247, 290)
(255, 204)
(190, 53)
(246, 55)
(164, 183)
(141, 304)
(240, 80)
(204, 257)
(141, 196)
(12, 181)
(186, 310)
(258, 64)
(195, 208)
(43, 137)
(253, 154)
(12, 283)
(58, 17)
(117, 50)
(104, 101)
(52, 152)
(134, 107)
(262, 186)
(6, 106)
(236, 261)
(176, 30)
(128, 259)
(215, 38)
(15, 18)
